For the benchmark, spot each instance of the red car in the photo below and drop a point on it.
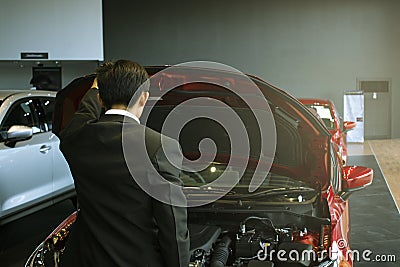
(299, 213)
(326, 110)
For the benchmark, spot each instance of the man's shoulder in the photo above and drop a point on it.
(156, 138)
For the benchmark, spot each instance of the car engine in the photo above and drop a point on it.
(231, 238)
(255, 242)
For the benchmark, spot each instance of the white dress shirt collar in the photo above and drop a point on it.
(123, 113)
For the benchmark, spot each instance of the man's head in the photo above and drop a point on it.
(119, 82)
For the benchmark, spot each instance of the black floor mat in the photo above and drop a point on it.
(374, 219)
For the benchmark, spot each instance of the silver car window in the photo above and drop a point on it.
(21, 113)
(48, 108)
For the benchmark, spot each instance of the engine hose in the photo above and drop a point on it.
(221, 253)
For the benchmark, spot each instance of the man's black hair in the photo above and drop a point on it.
(119, 81)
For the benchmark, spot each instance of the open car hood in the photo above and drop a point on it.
(313, 136)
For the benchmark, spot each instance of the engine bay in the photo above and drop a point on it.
(244, 240)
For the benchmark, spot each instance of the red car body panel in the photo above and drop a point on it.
(340, 231)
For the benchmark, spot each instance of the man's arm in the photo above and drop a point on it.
(89, 110)
(172, 220)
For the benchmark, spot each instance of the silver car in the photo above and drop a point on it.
(33, 172)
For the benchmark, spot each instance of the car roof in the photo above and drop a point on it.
(6, 93)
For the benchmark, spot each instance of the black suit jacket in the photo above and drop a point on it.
(118, 223)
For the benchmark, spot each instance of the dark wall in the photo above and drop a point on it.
(310, 48)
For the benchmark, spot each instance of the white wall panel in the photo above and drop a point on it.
(65, 29)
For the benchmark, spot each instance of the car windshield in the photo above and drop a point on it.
(325, 114)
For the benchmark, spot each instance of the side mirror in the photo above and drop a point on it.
(18, 133)
(355, 178)
(348, 125)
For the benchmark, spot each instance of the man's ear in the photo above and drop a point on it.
(94, 84)
(143, 98)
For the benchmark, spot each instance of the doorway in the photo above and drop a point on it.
(377, 108)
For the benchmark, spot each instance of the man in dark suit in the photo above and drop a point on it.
(119, 224)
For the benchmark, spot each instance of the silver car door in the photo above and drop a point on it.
(26, 169)
(62, 177)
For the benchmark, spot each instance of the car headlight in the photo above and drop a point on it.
(43, 256)
(49, 251)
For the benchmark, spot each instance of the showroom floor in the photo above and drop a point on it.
(374, 215)
(375, 218)
(387, 154)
